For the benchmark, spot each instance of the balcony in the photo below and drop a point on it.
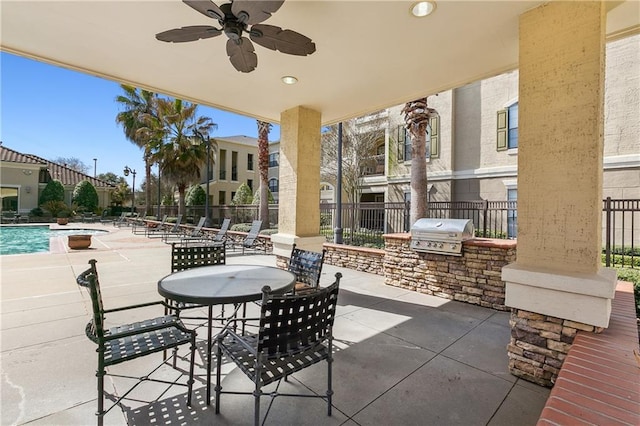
(374, 165)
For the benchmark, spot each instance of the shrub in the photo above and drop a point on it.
(85, 196)
(243, 195)
(53, 191)
(256, 197)
(56, 208)
(196, 196)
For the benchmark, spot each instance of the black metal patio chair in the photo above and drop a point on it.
(130, 341)
(307, 267)
(295, 332)
(185, 257)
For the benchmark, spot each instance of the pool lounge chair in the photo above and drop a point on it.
(194, 234)
(252, 240)
(164, 232)
(158, 229)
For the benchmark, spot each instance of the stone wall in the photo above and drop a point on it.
(357, 258)
(539, 345)
(474, 277)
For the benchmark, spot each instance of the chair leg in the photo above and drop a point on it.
(218, 388)
(100, 375)
(256, 396)
(191, 366)
(329, 389)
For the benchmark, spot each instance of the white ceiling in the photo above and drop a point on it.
(370, 54)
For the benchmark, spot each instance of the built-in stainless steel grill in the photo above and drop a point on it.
(442, 236)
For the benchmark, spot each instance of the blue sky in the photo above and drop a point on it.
(53, 112)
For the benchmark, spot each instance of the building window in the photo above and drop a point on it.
(273, 159)
(234, 166)
(9, 198)
(250, 184)
(273, 185)
(507, 135)
(223, 164)
(512, 214)
(222, 198)
(432, 138)
(249, 161)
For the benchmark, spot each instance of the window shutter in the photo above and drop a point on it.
(502, 130)
(400, 144)
(434, 123)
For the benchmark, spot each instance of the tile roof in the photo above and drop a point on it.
(62, 173)
(11, 156)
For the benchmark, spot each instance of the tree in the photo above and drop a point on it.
(110, 177)
(72, 163)
(243, 196)
(138, 106)
(416, 119)
(256, 197)
(182, 154)
(53, 191)
(86, 196)
(263, 168)
(196, 196)
(359, 143)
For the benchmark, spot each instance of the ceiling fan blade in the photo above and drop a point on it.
(191, 33)
(254, 11)
(285, 41)
(242, 55)
(207, 8)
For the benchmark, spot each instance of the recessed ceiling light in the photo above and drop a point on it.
(289, 79)
(423, 8)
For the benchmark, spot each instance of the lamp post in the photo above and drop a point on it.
(128, 170)
(95, 163)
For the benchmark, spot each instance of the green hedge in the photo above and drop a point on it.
(631, 275)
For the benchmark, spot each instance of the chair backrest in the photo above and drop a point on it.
(89, 280)
(187, 257)
(195, 232)
(222, 233)
(176, 226)
(306, 265)
(250, 239)
(291, 324)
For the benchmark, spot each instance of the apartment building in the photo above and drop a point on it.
(473, 142)
(237, 163)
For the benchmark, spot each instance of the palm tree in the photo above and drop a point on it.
(137, 104)
(183, 151)
(263, 167)
(416, 119)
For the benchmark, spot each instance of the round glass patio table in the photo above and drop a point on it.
(220, 285)
(224, 284)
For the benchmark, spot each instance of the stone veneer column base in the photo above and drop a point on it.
(539, 345)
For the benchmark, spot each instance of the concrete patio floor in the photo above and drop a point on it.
(401, 358)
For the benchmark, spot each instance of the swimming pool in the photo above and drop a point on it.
(34, 239)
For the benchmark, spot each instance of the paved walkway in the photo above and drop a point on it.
(402, 358)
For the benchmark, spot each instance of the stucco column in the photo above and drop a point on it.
(558, 269)
(299, 185)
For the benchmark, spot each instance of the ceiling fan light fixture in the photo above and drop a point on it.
(289, 79)
(423, 8)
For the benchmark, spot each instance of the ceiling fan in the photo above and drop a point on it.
(236, 18)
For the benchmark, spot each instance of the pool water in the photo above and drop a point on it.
(33, 239)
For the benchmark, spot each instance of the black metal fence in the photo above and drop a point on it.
(621, 219)
(364, 224)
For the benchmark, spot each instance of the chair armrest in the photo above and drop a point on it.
(239, 339)
(141, 305)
